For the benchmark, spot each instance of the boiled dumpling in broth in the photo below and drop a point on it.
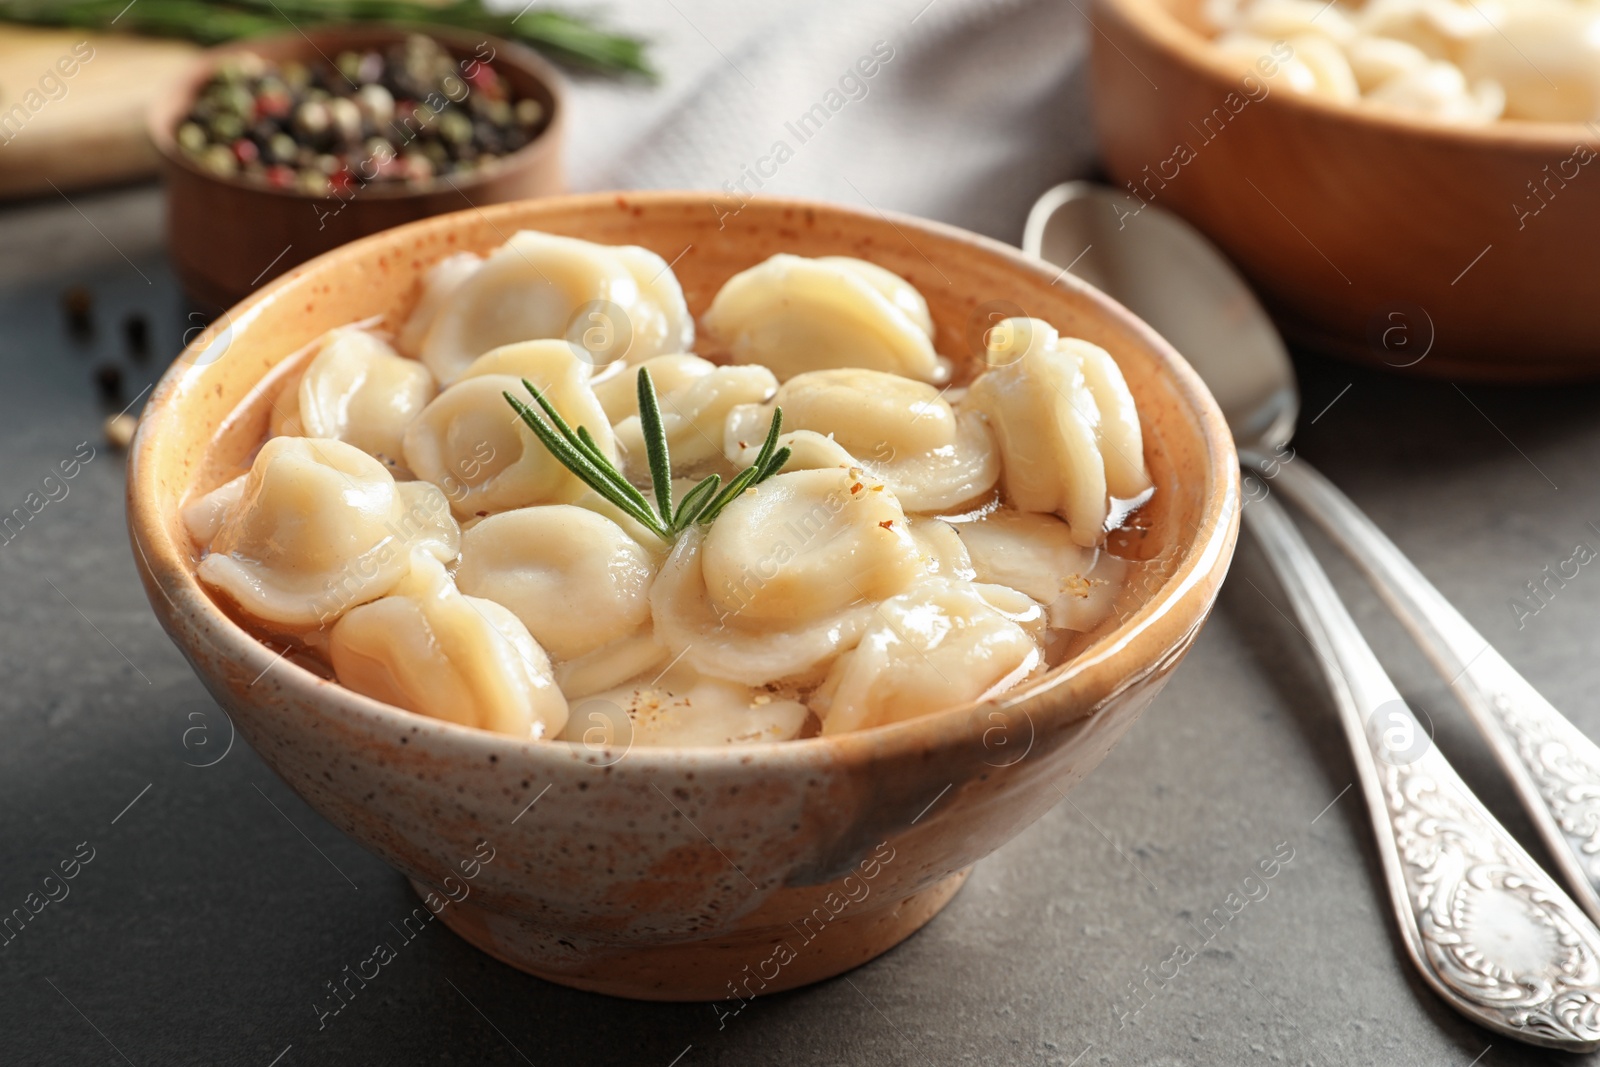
(430, 649)
(895, 289)
(792, 315)
(938, 645)
(204, 515)
(808, 449)
(681, 707)
(619, 393)
(943, 551)
(1037, 555)
(805, 544)
(539, 361)
(786, 578)
(1066, 423)
(574, 578)
(1119, 434)
(471, 443)
(612, 303)
(903, 432)
(318, 527)
(660, 322)
(439, 284)
(694, 403)
(610, 665)
(359, 390)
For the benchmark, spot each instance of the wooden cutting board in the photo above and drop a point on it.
(84, 128)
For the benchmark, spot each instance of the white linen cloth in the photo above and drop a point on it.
(983, 105)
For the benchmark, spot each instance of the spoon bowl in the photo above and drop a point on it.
(1162, 270)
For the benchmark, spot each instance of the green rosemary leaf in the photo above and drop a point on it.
(578, 451)
(741, 481)
(597, 477)
(590, 445)
(771, 443)
(775, 464)
(768, 462)
(694, 502)
(584, 443)
(655, 444)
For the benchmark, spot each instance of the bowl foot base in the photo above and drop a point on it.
(731, 969)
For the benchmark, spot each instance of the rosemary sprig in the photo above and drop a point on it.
(571, 38)
(578, 452)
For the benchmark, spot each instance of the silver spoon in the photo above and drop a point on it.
(1487, 927)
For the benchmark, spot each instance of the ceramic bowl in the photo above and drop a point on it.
(686, 873)
(226, 236)
(1369, 234)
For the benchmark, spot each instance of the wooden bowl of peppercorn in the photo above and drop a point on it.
(278, 149)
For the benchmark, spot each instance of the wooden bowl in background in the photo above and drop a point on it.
(228, 236)
(1369, 234)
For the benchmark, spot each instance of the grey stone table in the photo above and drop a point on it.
(214, 905)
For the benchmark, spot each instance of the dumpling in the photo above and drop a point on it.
(1276, 20)
(786, 578)
(1067, 426)
(1119, 435)
(641, 534)
(470, 442)
(802, 545)
(1547, 58)
(204, 515)
(575, 578)
(943, 551)
(1439, 28)
(612, 303)
(1037, 555)
(428, 648)
(792, 314)
(940, 644)
(360, 391)
(895, 289)
(694, 410)
(319, 527)
(619, 393)
(539, 361)
(1375, 60)
(439, 284)
(1439, 90)
(808, 450)
(612, 664)
(1330, 72)
(660, 321)
(683, 708)
(901, 431)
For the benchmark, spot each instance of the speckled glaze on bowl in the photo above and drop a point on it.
(688, 873)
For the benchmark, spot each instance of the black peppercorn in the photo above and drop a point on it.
(108, 381)
(78, 305)
(136, 332)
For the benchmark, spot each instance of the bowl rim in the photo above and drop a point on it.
(1155, 21)
(167, 569)
(164, 116)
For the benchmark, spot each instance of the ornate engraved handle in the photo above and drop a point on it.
(1487, 927)
(1555, 768)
